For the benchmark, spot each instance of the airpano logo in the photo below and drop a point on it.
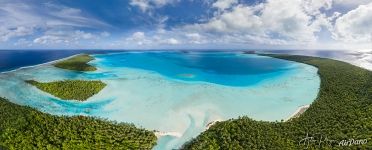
(319, 140)
(351, 142)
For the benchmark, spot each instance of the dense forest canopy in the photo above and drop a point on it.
(340, 117)
(70, 89)
(77, 63)
(23, 127)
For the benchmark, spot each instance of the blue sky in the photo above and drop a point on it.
(186, 24)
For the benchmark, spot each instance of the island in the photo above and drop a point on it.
(70, 89)
(340, 117)
(77, 63)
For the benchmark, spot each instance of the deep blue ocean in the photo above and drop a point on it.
(14, 59)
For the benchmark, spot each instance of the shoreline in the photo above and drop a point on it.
(160, 134)
(300, 110)
(213, 122)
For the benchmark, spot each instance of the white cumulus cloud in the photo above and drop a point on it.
(351, 3)
(295, 23)
(275, 21)
(355, 26)
(146, 5)
(172, 41)
(224, 4)
(64, 37)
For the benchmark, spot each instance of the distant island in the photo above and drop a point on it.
(77, 63)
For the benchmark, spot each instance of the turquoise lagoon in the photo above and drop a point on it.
(175, 93)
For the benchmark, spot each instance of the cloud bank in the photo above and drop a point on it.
(319, 24)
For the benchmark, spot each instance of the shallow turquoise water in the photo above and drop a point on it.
(175, 93)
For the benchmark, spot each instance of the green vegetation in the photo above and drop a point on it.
(23, 127)
(77, 63)
(70, 89)
(342, 112)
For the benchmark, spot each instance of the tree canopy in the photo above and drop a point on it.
(23, 127)
(70, 89)
(340, 117)
(77, 63)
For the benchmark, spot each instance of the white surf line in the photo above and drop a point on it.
(298, 111)
(46, 63)
(159, 134)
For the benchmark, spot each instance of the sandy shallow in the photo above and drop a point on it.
(178, 110)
